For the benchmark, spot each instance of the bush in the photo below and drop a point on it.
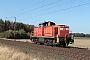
(21, 34)
(1, 35)
(4, 35)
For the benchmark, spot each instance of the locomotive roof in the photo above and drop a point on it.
(46, 23)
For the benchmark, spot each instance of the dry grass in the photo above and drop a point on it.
(21, 40)
(7, 53)
(24, 40)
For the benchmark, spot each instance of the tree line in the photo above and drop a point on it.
(7, 29)
(9, 25)
(81, 35)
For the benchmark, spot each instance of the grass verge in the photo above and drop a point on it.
(7, 53)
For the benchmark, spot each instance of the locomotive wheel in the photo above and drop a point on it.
(67, 44)
(64, 44)
(47, 43)
(35, 42)
(41, 43)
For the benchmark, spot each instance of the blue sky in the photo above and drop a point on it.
(74, 13)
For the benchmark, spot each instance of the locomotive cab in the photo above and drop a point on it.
(63, 35)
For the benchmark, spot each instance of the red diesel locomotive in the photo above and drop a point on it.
(49, 33)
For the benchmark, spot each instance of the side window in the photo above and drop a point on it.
(45, 24)
(40, 26)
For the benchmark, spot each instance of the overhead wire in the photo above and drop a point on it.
(52, 7)
(58, 10)
(39, 7)
(34, 4)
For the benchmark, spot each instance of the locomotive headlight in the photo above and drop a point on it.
(67, 28)
(61, 28)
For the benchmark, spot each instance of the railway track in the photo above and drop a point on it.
(60, 53)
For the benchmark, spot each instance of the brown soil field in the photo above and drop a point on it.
(82, 43)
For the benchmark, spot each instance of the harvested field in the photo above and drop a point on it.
(82, 43)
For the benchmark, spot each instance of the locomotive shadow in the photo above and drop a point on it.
(77, 47)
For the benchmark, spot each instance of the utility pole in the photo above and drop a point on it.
(15, 29)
